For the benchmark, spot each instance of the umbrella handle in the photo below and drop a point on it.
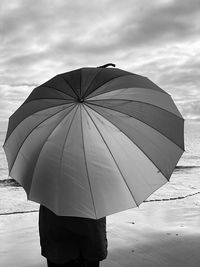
(106, 65)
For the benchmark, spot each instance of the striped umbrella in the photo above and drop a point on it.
(94, 141)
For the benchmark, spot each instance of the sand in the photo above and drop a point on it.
(157, 234)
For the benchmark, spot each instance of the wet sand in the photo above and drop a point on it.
(157, 234)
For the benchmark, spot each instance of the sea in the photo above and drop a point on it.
(184, 182)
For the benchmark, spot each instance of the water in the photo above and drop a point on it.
(184, 181)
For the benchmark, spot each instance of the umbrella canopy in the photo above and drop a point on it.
(94, 141)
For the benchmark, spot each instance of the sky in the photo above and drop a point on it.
(159, 39)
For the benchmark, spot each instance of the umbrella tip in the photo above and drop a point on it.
(107, 65)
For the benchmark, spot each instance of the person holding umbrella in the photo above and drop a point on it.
(71, 241)
(86, 144)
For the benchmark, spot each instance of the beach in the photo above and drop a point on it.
(159, 234)
(162, 232)
(99, 112)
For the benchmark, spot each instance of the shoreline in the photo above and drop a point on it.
(145, 201)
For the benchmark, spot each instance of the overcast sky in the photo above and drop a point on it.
(159, 39)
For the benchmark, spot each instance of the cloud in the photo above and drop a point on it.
(190, 109)
(158, 39)
(161, 25)
(78, 30)
(11, 97)
(57, 35)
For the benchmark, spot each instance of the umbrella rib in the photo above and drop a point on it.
(104, 83)
(47, 98)
(140, 121)
(31, 132)
(34, 113)
(25, 102)
(80, 83)
(37, 112)
(61, 157)
(51, 87)
(134, 143)
(87, 165)
(66, 81)
(91, 83)
(113, 158)
(44, 144)
(137, 101)
(36, 99)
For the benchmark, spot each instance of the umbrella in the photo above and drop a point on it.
(94, 141)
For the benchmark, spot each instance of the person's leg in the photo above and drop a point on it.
(68, 264)
(74, 263)
(93, 264)
(81, 263)
(51, 264)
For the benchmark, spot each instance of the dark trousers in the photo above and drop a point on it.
(79, 263)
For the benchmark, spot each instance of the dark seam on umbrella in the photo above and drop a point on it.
(91, 83)
(133, 142)
(105, 82)
(63, 147)
(125, 88)
(130, 74)
(36, 113)
(26, 103)
(137, 101)
(68, 83)
(80, 84)
(48, 98)
(144, 123)
(30, 133)
(105, 99)
(36, 99)
(112, 157)
(32, 115)
(43, 146)
(51, 87)
(87, 164)
(54, 88)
